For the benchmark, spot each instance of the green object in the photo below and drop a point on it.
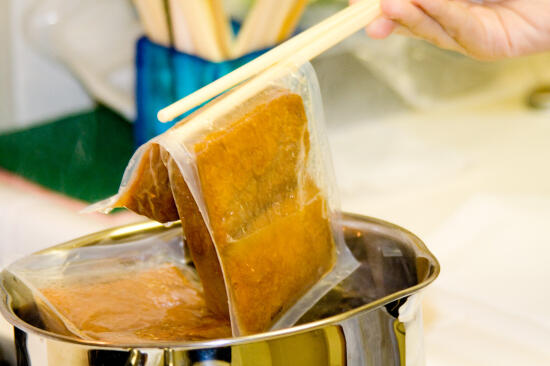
(82, 156)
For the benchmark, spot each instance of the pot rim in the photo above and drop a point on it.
(121, 232)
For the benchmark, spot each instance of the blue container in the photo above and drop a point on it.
(164, 76)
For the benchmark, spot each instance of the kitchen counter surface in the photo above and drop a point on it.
(475, 186)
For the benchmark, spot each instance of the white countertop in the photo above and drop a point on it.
(475, 186)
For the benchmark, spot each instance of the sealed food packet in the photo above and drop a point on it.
(254, 188)
(129, 293)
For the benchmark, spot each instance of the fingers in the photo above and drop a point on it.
(403, 31)
(478, 28)
(380, 28)
(451, 15)
(411, 18)
(418, 22)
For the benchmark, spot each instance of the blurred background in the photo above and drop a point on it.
(453, 149)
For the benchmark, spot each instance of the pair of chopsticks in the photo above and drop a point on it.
(197, 27)
(202, 28)
(277, 62)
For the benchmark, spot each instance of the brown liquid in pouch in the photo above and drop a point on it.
(148, 305)
(270, 237)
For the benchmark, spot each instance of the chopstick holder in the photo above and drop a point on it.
(164, 75)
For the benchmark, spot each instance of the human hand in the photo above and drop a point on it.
(486, 30)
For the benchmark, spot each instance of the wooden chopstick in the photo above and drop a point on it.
(276, 62)
(202, 28)
(268, 23)
(181, 34)
(153, 17)
(295, 10)
(224, 34)
(214, 40)
(251, 34)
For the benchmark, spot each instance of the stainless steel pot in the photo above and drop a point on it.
(372, 318)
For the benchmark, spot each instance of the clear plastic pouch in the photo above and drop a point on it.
(136, 292)
(254, 187)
